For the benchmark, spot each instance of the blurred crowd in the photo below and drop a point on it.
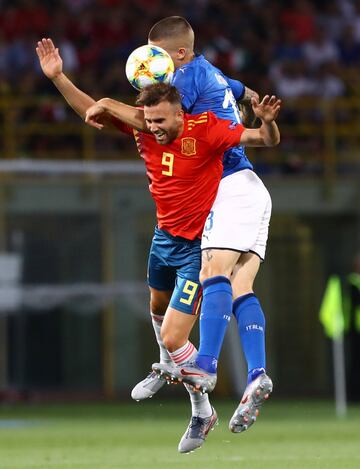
(295, 48)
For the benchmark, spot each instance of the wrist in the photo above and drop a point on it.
(56, 78)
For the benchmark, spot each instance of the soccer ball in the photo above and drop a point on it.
(147, 65)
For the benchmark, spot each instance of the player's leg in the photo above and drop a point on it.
(176, 328)
(215, 274)
(216, 313)
(150, 385)
(159, 302)
(251, 326)
(233, 226)
(161, 280)
(179, 320)
(249, 314)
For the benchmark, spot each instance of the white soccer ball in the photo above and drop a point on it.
(147, 65)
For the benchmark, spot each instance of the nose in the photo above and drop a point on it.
(153, 127)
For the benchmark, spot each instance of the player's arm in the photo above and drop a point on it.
(243, 96)
(247, 114)
(52, 66)
(268, 134)
(100, 112)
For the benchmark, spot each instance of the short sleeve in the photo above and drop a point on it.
(237, 88)
(122, 126)
(224, 134)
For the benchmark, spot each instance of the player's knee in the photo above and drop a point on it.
(171, 341)
(206, 272)
(159, 301)
(242, 290)
(158, 307)
(209, 271)
(242, 286)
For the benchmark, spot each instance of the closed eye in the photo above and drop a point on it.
(154, 121)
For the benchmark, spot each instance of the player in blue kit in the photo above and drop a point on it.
(234, 237)
(183, 182)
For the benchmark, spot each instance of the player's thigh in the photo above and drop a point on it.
(160, 276)
(176, 328)
(237, 217)
(185, 301)
(216, 262)
(244, 273)
(187, 292)
(159, 300)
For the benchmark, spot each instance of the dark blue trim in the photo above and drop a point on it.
(239, 300)
(214, 280)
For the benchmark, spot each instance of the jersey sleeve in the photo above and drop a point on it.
(124, 128)
(224, 134)
(237, 88)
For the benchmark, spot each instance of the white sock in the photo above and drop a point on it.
(200, 404)
(186, 353)
(157, 321)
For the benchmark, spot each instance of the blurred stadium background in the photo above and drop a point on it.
(76, 219)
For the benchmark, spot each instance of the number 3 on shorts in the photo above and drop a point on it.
(190, 290)
(209, 221)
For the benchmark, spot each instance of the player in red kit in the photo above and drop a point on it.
(184, 178)
(183, 157)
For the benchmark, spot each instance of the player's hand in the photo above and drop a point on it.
(93, 114)
(49, 57)
(268, 109)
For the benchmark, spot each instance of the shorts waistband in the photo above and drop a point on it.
(175, 238)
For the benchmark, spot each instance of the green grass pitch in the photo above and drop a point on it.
(145, 435)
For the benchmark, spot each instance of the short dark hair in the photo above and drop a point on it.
(154, 94)
(169, 27)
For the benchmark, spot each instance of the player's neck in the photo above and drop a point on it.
(189, 57)
(180, 131)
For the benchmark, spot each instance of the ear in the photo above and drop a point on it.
(180, 114)
(181, 53)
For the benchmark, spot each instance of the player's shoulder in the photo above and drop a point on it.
(197, 65)
(199, 122)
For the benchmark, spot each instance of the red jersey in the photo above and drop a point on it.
(184, 175)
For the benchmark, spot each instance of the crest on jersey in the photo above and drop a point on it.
(188, 146)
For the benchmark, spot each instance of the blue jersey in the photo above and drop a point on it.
(204, 87)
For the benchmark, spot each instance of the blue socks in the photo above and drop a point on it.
(251, 326)
(215, 316)
(214, 320)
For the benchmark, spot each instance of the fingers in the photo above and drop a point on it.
(40, 50)
(50, 44)
(91, 119)
(93, 123)
(45, 47)
(271, 101)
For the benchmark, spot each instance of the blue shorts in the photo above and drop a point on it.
(174, 265)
